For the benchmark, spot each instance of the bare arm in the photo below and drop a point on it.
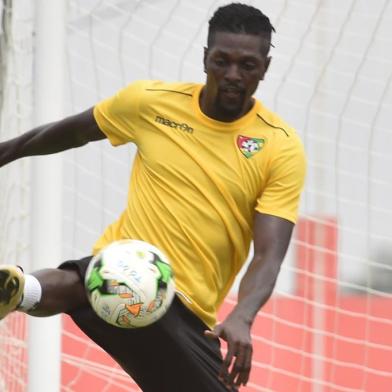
(71, 132)
(271, 239)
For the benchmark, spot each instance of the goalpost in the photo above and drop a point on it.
(44, 340)
(327, 327)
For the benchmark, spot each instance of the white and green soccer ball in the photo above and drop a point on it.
(130, 284)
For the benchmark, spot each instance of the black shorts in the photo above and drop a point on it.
(171, 355)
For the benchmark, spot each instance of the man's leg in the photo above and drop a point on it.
(170, 355)
(60, 291)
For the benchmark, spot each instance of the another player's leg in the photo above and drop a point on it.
(43, 293)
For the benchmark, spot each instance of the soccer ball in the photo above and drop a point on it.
(130, 284)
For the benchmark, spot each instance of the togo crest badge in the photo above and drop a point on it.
(249, 146)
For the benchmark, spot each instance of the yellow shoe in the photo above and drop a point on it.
(11, 288)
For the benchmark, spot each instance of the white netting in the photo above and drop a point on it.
(16, 47)
(327, 326)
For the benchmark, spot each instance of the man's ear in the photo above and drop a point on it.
(266, 66)
(205, 59)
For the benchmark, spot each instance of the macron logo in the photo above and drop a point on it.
(172, 124)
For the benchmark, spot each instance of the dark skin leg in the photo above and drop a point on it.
(62, 292)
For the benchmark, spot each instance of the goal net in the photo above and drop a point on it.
(327, 326)
(16, 47)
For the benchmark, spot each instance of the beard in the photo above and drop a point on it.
(230, 107)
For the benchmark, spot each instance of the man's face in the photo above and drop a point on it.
(234, 64)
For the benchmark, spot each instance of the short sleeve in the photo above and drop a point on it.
(118, 116)
(281, 195)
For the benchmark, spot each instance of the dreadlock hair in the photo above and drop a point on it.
(242, 19)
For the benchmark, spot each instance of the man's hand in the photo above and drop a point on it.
(271, 239)
(237, 363)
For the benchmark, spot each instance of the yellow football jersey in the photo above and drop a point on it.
(197, 182)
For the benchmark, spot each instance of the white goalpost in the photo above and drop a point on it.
(327, 326)
(44, 334)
